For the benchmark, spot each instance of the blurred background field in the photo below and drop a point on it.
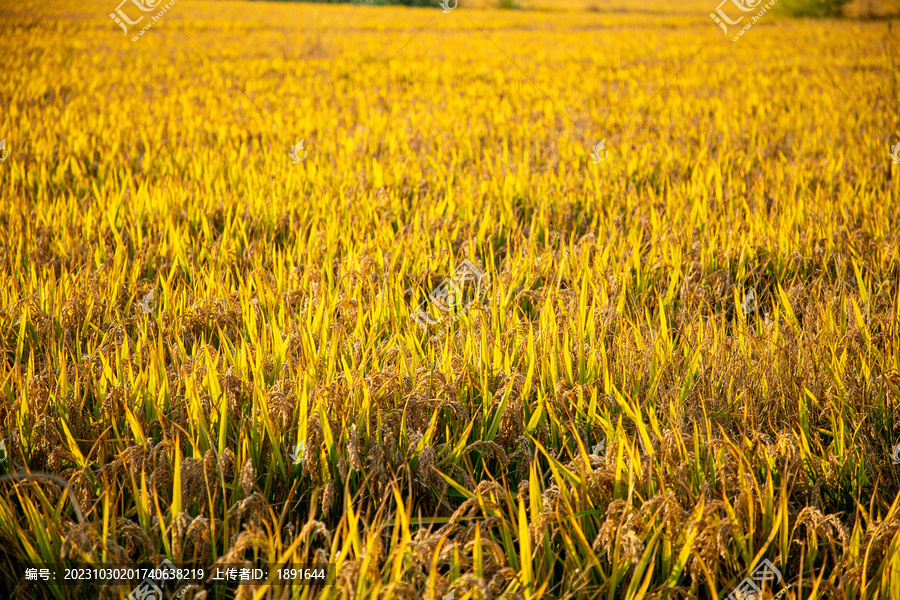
(612, 418)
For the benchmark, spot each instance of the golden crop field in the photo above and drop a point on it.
(669, 359)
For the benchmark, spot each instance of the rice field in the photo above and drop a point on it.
(582, 300)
